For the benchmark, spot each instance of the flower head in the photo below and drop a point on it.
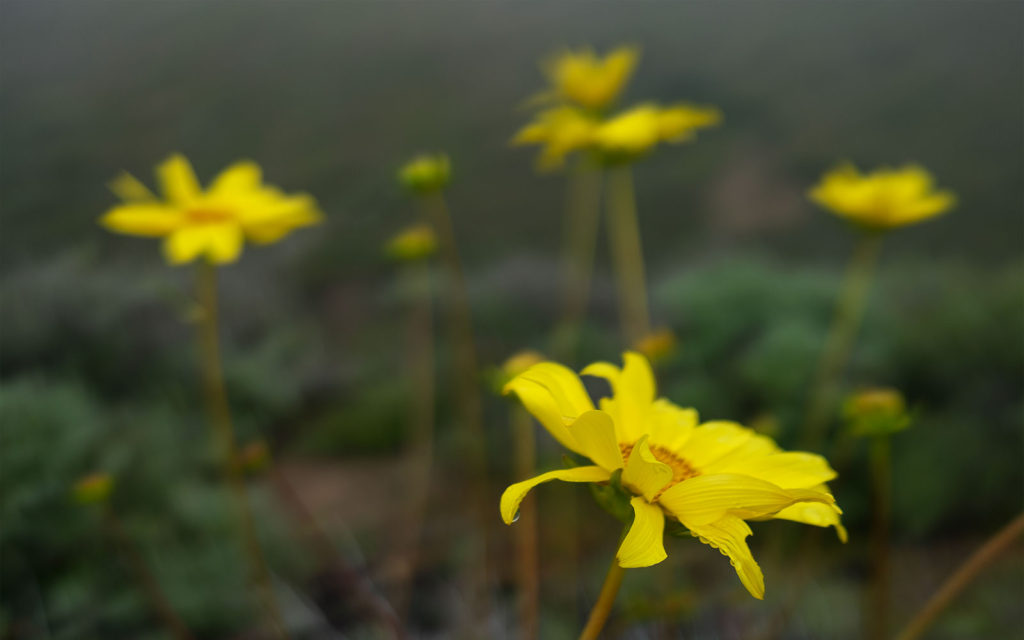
(657, 345)
(93, 488)
(883, 199)
(638, 130)
(711, 477)
(413, 243)
(211, 223)
(583, 78)
(874, 412)
(426, 173)
(560, 131)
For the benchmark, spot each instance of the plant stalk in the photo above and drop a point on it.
(527, 568)
(224, 434)
(627, 254)
(603, 607)
(839, 343)
(881, 479)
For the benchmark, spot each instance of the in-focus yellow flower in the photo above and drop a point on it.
(93, 488)
(636, 131)
(711, 477)
(583, 78)
(211, 223)
(883, 199)
(875, 412)
(426, 173)
(561, 131)
(412, 244)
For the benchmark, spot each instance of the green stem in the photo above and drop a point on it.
(603, 607)
(881, 472)
(582, 207)
(527, 572)
(961, 578)
(220, 420)
(627, 254)
(467, 391)
(421, 420)
(839, 343)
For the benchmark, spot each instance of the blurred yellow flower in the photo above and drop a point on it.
(883, 199)
(413, 243)
(210, 224)
(637, 130)
(657, 345)
(521, 361)
(873, 412)
(711, 477)
(583, 78)
(426, 173)
(93, 488)
(560, 130)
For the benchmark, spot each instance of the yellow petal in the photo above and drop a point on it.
(594, 433)
(707, 498)
(178, 181)
(142, 219)
(670, 425)
(241, 177)
(644, 473)
(815, 514)
(128, 188)
(728, 535)
(713, 440)
(555, 396)
(633, 392)
(789, 470)
(220, 243)
(644, 544)
(514, 495)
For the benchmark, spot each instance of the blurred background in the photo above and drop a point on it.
(99, 372)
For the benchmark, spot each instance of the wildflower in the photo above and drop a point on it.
(414, 243)
(583, 78)
(636, 131)
(884, 199)
(255, 457)
(711, 477)
(657, 345)
(876, 412)
(561, 130)
(93, 488)
(214, 223)
(426, 173)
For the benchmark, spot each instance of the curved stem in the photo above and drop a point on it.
(845, 325)
(603, 607)
(220, 420)
(627, 254)
(962, 577)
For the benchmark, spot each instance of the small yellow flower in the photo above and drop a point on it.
(636, 131)
(883, 199)
(583, 78)
(657, 345)
(561, 131)
(210, 224)
(255, 456)
(874, 412)
(711, 477)
(426, 173)
(412, 244)
(93, 488)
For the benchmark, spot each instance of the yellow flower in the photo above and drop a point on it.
(637, 130)
(711, 477)
(581, 77)
(560, 130)
(657, 345)
(414, 243)
(211, 224)
(883, 199)
(426, 173)
(875, 412)
(93, 488)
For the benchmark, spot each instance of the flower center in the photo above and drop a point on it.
(208, 216)
(681, 469)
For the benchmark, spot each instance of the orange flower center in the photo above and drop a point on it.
(208, 216)
(681, 469)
